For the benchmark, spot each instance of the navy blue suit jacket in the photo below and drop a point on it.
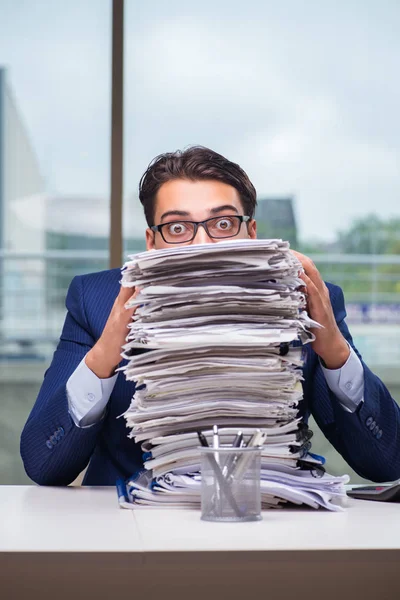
(106, 447)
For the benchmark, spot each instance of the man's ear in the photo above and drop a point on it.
(150, 236)
(252, 229)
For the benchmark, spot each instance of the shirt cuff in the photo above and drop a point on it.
(347, 383)
(88, 395)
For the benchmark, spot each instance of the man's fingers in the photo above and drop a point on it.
(132, 297)
(310, 270)
(311, 287)
(125, 295)
(312, 290)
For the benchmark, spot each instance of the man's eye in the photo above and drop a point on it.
(224, 224)
(177, 229)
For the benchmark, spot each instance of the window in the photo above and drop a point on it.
(54, 181)
(304, 97)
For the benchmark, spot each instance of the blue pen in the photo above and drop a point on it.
(121, 491)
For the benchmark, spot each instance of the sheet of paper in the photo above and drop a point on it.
(215, 324)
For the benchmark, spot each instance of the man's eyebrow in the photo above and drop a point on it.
(218, 209)
(184, 213)
(174, 213)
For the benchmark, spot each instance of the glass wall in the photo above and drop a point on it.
(304, 96)
(55, 67)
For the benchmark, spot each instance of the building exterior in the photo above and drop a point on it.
(78, 226)
(276, 219)
(45, 239)
(20, 177)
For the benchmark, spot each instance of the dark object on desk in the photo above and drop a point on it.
(382, 493)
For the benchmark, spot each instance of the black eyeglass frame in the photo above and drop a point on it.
(242, 219)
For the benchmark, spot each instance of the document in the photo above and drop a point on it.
(218, 324)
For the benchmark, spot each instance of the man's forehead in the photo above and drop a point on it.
(195, 196)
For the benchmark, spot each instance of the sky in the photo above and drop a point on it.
(303, 95)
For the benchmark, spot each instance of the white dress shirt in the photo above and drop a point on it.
(88, 395)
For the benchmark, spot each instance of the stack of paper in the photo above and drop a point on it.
(219, 320)
(279, 485)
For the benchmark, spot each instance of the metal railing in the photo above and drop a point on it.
(33, 289)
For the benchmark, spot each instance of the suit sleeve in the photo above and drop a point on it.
(53, 449)
(369, 438)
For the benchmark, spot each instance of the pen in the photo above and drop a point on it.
(237, 442)
(220, 478)
(203, 439)
(218, 499)
(257, 439)
(215, 437)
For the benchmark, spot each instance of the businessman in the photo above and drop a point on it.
(192, 197)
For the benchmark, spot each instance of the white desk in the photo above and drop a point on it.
(60, 540)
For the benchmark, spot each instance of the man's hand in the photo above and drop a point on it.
(105, 355)
(329, 343)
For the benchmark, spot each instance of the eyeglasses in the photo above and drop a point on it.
(180, 232)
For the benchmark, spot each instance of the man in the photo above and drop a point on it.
(187, 198)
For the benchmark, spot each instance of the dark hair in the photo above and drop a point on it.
(194, 163)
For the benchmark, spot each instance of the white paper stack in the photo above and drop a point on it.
(219, 319)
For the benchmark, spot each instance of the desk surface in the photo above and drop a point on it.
(35, 519)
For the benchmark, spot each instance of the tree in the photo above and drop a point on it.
(371, 235)
(369, 281)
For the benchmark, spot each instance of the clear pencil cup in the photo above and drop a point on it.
(230, 484)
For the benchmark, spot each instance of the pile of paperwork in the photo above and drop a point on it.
(216, 324)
